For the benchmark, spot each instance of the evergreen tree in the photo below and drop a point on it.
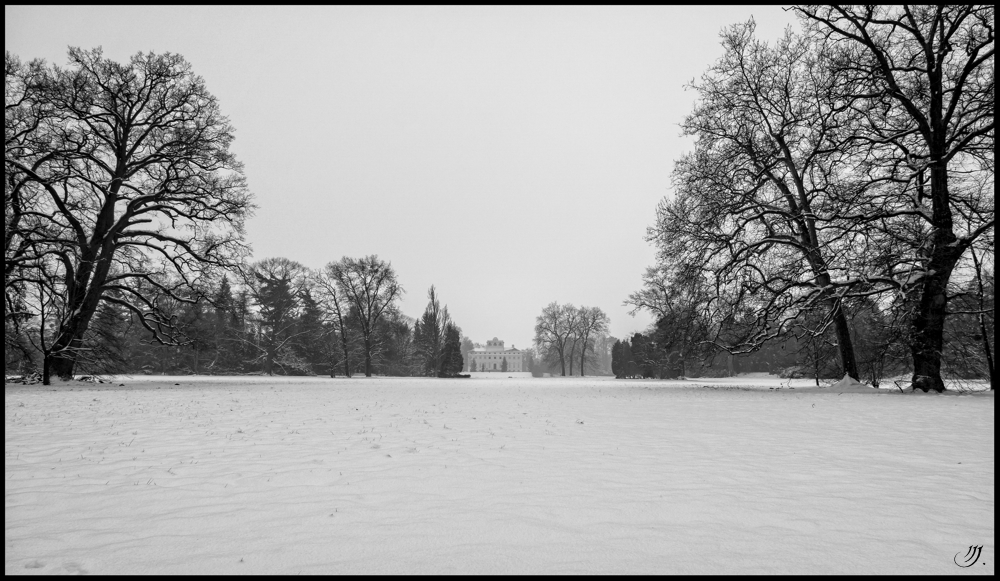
(397, 354)
(617, 364)
(240, 340)
(275, 282)
(199, 331)
(503, 365)
(107, 345)
(628, 362)
(310, 335)
(228, 326)
(452, 361)
(429, 342)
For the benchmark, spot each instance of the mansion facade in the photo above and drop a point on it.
(493, 355)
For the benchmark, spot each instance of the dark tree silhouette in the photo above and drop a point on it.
(120, 188)
(922, 82)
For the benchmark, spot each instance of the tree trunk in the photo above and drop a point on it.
(583, 353)
(368, 357)
(844, 342)
(986, 346)
(928, 325)
(65, 351)
(65, 348)
(816, 355)
(61, 366)
(45, 369)
(928, 334)
(987, 350)
(347, 357)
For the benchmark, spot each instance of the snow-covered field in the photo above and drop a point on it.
(493, 475)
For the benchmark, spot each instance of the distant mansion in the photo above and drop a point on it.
(491, 357)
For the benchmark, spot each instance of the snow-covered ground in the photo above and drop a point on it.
(493, 475)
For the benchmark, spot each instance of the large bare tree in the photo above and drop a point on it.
(592, 322)
(554, 330)
(370, 286)
(922, 80)
(760, 202)
(124, 190)
(335, 303)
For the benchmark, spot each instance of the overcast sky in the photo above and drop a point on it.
(511, 156)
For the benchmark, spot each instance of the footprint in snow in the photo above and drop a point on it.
(74, 569)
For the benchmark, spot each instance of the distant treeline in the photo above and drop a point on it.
(283, 319)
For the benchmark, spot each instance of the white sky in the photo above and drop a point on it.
(511, 156)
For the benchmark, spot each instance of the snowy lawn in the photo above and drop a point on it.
(493, 475)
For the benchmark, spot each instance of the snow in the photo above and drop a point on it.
(494, 475)
(849, 384)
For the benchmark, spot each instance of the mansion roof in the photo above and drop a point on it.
(495, 345)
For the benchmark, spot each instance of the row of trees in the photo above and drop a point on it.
(283, 319)
(841, 191)
(345, 318)
(565, 333)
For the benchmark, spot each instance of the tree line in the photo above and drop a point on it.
(124, 246)
(840, 192)
(281, 319)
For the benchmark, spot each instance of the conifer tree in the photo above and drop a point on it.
(225, 339)
(452, 362)
(275, 284)
(617, 366)
(310, 334)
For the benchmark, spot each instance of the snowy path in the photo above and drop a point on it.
(393, 475)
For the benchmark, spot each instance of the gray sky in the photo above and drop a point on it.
(511, 156)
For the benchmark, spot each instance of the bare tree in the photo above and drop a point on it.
(335, 303)
(553, 330)
(592, 322)
(370, 286)
(124, 190)
(676, 294)
(922, 80)
(572, 317)
(760, 201)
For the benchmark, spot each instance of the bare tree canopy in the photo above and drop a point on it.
(592, 323)
(921, 81)
(336, 306)
(369, 285)
(562, 329)
(120, 187)
(759, 202)
(849, 167)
